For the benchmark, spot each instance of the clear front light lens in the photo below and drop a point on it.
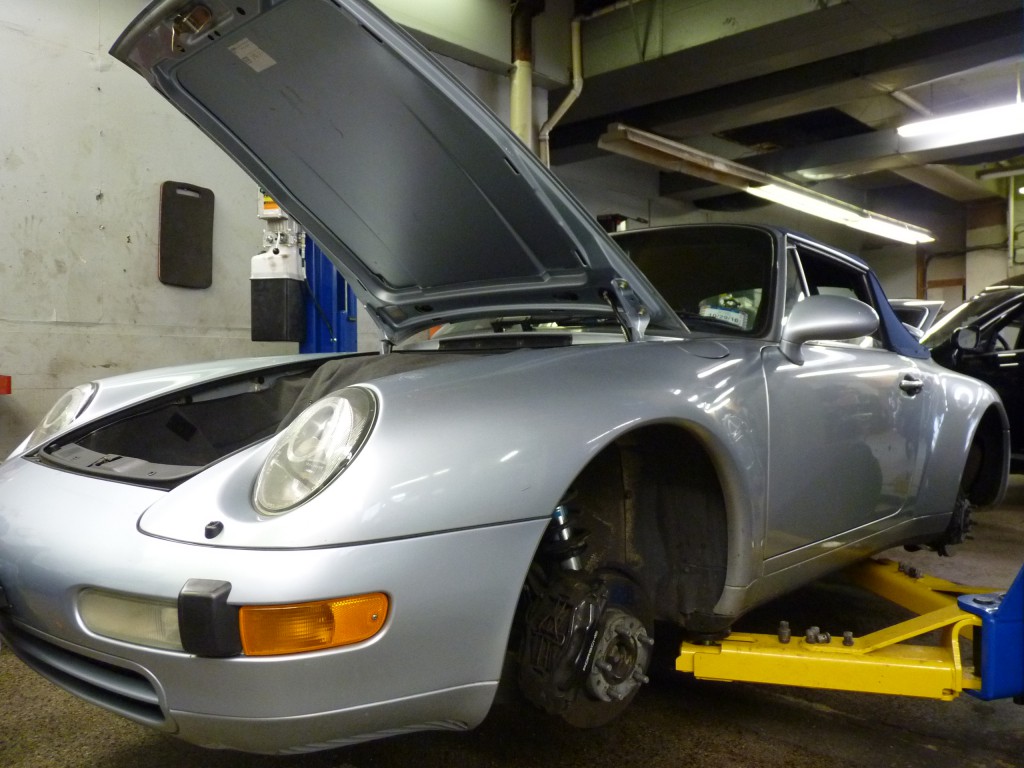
(153, 623)
(68, 408)
(318, 445)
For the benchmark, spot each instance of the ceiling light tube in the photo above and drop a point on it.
(839, 212)
(894, 230)
(968, 127)
(801, 201)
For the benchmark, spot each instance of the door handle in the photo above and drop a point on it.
(911, 385)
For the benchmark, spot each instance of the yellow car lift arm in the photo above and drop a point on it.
(884, 661)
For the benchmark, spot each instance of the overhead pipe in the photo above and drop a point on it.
(521, 117)
(544, 137)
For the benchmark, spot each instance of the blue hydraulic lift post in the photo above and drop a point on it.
(330, 306)
(999, 657)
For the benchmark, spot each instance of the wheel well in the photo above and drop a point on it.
(982, 479)
(653, 501)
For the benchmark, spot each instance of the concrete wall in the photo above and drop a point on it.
(84, 147)
(479, 33)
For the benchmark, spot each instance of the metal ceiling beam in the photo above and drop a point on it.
(870, 153)
(947, 182)
(834, 80)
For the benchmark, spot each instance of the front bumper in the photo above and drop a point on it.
(435, 663)
(130, 691)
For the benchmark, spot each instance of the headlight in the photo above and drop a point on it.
(60, 416)
(318, 445)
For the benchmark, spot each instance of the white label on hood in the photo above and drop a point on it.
(246, 50)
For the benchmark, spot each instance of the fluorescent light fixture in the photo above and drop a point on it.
(892, 229)
(968, 127)
(807, 203)
(673, 156)
(841, 213)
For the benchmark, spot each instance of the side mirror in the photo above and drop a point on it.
(825, 318)
(966, 339)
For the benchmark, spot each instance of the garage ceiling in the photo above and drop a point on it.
(811, 90)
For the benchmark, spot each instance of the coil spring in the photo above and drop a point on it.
(563, 542)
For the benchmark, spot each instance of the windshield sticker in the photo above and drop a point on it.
(730, 316)
(251, 54)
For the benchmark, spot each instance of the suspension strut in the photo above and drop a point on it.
(564, 543)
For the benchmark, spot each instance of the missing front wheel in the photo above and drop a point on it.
(586, 646)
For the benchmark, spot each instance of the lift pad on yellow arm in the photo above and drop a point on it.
(907, 587)
(881, 662)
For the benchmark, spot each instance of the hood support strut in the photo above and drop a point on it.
(631, 314)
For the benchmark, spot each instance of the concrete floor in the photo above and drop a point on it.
(676, 721)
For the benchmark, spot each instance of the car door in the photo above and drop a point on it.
(846, 426)
(999, 361)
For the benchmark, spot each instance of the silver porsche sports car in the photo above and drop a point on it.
(564, 441)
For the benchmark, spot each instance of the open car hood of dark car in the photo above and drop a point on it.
(423, 199)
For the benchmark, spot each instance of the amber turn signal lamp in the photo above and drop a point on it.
(270, 630)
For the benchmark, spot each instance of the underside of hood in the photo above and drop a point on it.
(423, 199)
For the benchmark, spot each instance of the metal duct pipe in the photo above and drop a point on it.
(544, 138)
(521, 120)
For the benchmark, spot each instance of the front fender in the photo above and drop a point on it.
(492, 440)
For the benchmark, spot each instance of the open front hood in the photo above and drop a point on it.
(426, 203)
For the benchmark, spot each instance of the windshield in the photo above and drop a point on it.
(715, 278)
(967, 314)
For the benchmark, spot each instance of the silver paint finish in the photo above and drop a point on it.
(117, 392)
(445, 476)
(447, 580)
(825, 451)
(848, 399)
(445, 505)
(825, 317)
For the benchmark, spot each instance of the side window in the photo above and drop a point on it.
(1008, 334)
(827, 275)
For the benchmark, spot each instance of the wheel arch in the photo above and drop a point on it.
(988, 455)
(641, 498)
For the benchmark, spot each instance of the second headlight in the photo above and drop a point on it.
(63, 413)
(314, 448)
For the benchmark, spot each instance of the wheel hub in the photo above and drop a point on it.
(621, 654)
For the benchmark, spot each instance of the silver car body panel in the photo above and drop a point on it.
(115, 393)
(816, 453)
(451, 578)
(401, 486)
(446, 521)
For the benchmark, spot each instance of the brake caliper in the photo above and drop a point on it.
(584, 653)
